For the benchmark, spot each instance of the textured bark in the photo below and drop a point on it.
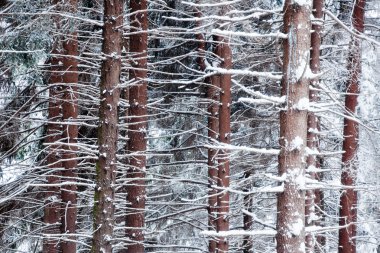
(348, 199)
(223, 50)
(54, 130)
(212, 95)
(313, 197)
(108, 127)
(136, 192)
(293, 129)
(212, 162)
(52, 214)
(69, 135)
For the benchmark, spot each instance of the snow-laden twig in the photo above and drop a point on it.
(250, 34)
(353, 33)
(244, 72)
(263, 151)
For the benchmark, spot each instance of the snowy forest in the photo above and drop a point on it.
(197, 126)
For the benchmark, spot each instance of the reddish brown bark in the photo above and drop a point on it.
(213, 130)
(223, 50)
(69, 135)
(348, 199)
(212, 162)
(136, 196)
(293, 129)
(313, 197)
(104, 208)
(54, 130)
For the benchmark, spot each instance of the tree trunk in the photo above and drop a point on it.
(52, 213)
(313, 197)
(70, 135)
(54, 130)
(212, 95)
(138, 96)
(223, 50)
(348, 197)
(293, 128)
(247, 219)
(108, 127)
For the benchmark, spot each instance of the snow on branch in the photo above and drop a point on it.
(245, 72)
(230, 233)
(263, 151)
(353, 33)
(250, 34)
(211, 4)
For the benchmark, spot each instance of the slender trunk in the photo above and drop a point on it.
(104, 208)
(70, 135)
(293, 128)
(212, 95)
(54, 131)
(212, 162)
(52, 214)
(247, 219)
(223, 50)
(138, 96)
(348, 197)
(313, 196)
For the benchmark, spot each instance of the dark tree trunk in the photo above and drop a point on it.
(212, 95)
(108, 127)
(54, 130)
(247, 219)
(52, 216)
(70, 135)
(348, 197)
(223, 50)
(137, 127)
(313, 197)
(293, 129)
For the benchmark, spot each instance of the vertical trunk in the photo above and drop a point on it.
(293, 128)
(247, 219)
(223, 50)
(138, 96)
(54, 131)
(348, 199)
(52, 206)
(213, 129)
(69, 135)
(313, 197)
(108, 130)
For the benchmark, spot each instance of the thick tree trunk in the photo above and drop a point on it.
(293, 128)
(313, 197)
(223, 50)
(54, 130)
(108, 127)
(137, 127)
(70, 135)
(348, 199)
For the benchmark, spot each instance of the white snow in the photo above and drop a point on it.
(296, 144)
(302, 104)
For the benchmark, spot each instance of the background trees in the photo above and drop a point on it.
(186, 158)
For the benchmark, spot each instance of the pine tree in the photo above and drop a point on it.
(104, 208)
(69, 133)
(348, 197)
(137, 126)
(293, 128)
